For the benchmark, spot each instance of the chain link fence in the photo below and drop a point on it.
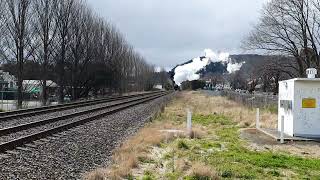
(260, 100)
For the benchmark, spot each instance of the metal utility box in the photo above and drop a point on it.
(299, 105)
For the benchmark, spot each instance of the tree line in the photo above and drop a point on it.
(289, 28)
(71, 45)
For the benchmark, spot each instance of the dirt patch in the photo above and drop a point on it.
(257, 137)
(259, 141)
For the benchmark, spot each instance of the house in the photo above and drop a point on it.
(7, 81)
(35, 86)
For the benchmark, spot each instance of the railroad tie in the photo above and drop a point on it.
(24, 149)
(30, 145)
(13, 152)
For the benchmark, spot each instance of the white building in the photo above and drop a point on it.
(7, 80)
(36, 85)
(299, 107)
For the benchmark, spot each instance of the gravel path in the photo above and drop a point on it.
(79, 150)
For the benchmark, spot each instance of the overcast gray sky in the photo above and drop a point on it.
(168, 32)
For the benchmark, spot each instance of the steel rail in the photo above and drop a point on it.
(10, 145)
(21, 127)
(47, 109)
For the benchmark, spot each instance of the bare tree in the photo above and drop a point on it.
(3, 32)
(63, 23)
(2, 21)
(78, 44)
(71, 45)
(18, 39)
(45, 29)
(287, 27)
(277, 68)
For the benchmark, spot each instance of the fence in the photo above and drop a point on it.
(253, 100)
(8, 99)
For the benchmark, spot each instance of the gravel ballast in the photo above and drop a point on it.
(47, 126)
(81, 149)
(29, 119)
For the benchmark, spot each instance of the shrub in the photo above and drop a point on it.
(182, 145)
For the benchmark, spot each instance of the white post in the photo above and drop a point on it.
(2, 100)
(258, 119)
(189, 122)
(282, 130)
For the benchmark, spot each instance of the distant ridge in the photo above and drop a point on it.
(252, 60)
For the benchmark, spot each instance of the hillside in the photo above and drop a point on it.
(252, 61)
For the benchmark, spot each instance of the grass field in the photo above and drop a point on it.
(216, 150)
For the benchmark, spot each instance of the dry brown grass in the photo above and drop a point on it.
(198, 132)
(183, 165)
(202, 104)
(118, 173)
(98, 174)
(201, 171)
(126, 157)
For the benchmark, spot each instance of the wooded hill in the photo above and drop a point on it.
(265, 70)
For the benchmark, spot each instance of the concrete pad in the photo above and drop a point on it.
(275, 134)
(172, 131)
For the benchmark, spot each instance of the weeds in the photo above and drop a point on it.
(148, 176)
(207, 120)
(97, 174)
(215, 150)
(201, 171)
(146, 159)
(239, 162)
(210, 144)
(272, 109)
(182, 145)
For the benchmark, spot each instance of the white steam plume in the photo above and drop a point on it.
(233, 67)
(216, 57)
(188, 71)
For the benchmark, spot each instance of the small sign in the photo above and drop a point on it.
(309, 103)
(286, 104)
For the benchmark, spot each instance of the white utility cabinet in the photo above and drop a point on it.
(299, 105)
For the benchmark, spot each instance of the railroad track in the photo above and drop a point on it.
(19, 135)
(5, 116)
